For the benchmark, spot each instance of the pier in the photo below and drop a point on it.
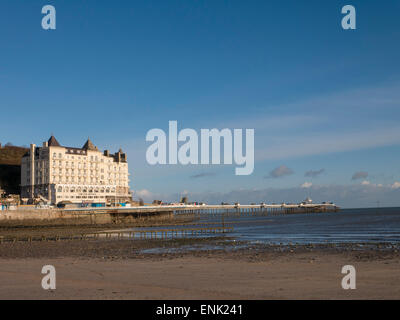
(28, 216)
(216, 210)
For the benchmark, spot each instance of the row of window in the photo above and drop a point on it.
(92, 173)
(80, 181)
(92, 158)
(79, 197)
(85, 189)
(80, 165)
(87, 180)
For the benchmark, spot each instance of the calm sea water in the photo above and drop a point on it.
(348, 225)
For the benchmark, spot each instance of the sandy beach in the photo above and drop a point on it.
(121, 270)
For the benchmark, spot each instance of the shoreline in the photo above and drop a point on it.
(218, 246)
(120, 270)
(214, 267)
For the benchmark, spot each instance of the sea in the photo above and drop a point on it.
(344, 226)
(372, 225)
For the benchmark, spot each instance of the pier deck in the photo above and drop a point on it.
(212, 209)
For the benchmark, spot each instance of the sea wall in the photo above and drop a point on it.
(60, 217)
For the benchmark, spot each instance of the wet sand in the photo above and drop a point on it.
(121, 270)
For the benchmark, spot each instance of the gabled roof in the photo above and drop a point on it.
(89, 146)
(52, 142)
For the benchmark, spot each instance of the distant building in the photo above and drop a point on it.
(55, 173)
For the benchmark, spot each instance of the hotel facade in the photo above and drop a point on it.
(54, 173)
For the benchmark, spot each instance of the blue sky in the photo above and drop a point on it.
(318, 97)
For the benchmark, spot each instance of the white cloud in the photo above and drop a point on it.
(365, 183)
(143, 193)
(306, 185)
(308, 144)
(344, 121)
(396, 185)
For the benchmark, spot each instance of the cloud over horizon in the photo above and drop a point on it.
(346, 196)
(280, 171)
(359, 175)
(314, 173)
(203, 174)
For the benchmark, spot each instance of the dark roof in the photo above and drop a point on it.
(52, 142)
(89, 146)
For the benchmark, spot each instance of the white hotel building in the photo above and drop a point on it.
(80, 175)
